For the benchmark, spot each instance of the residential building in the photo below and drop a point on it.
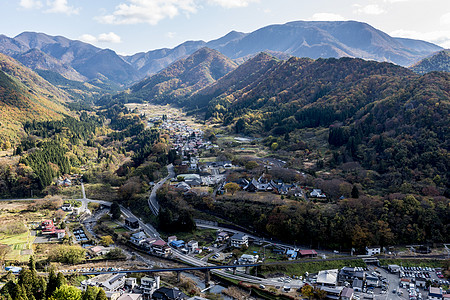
(177, 244)
(128, 296)
(239, 239)
(109, 282)
(333, 292)
(248, 259)
(66, 207)
(192, 245)
(99, 250)
(222, 236)
(347, 294)
(357, 285)
(160, 247)
(149, 285)
(138, 238)
(308, 253)
(132, 223)
(373, 250)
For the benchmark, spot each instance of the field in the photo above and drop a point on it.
(16, 219)
(18, 245)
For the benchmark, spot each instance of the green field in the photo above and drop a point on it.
(310, 267)
(18, 243)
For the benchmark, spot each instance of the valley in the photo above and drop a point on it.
(270, 175)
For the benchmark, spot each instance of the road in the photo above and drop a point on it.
(152, 201)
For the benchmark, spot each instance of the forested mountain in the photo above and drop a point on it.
(25, 96)
(437, 62)
(184, 77)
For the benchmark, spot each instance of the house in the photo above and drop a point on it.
(332, 292)
(239, 239)
(149, 285)
(192, 245)
(248, 259)
(327, 277)
(138, 238)
(373, 250)
(308, 253)
(183, 186)
(177, 244)
(109, 282)
(222, 236)
(349, 274)
(435, 293)
(160, 247)
(317, 193)
(357, 285)
(347, 293)
(132, 223)
(168, 294)
(128, 296)
(99, 250)
(171, 238)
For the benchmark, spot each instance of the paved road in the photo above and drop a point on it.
(152, 201)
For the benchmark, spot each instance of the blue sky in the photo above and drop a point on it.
(130, 26)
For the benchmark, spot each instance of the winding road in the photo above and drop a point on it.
(152, 201)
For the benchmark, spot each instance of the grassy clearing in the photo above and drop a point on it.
(17, 243)
(310, 267)
(432, 263)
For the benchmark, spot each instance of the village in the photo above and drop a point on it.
(89, 224)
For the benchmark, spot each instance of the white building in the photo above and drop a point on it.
(109, 282)
(239, 239)
(248, 259)
(150, 284)
(373, 250)
(328, 277)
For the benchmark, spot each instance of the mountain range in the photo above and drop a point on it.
(76, 60)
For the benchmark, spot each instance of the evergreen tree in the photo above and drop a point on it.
(355, 192)
(115, 211)
(51, 286)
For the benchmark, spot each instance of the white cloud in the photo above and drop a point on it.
(88, 38)
(102, 38)
(326, 17)
(153, 11)
(441, 38)
(31, 4)
(148, 11)
(61, 6)
(232, 3)
(171, 35)
(370, 9)
(445, 19)
(109, 38)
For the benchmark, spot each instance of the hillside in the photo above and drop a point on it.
(437, 62)
(184, 77)
(25, 96)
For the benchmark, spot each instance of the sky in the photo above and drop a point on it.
(131, 26)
